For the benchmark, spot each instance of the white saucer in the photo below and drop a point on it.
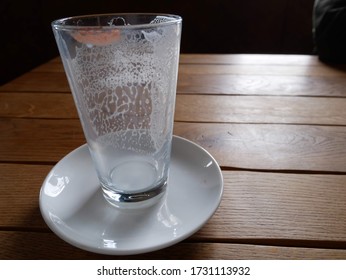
(73, 206)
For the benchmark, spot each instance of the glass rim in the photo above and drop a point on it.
(61, 24)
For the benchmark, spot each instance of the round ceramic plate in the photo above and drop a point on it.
(73, 206)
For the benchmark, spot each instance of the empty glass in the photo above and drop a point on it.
(122, 70)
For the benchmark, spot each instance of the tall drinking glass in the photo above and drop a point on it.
(122, 71)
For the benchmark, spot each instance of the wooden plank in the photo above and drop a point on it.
(267, 146)
(262, 207)
(280, 207)
(32, 140)
(33, 246)
(261, 109)
(248, 59)
(262, 85)
(19, 192)
(290, 75)
(245, 65)
(266, 70)
(49, 67)
(37, 105)
(248, 146)
(55, 65)
(203, 108)
(38, 82)
(204, 84)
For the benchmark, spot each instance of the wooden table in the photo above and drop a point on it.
(275, 123)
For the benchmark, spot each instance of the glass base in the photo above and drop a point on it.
(134, 200)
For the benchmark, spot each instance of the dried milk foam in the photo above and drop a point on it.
(126, 82)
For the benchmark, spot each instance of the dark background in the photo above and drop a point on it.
(209, 26)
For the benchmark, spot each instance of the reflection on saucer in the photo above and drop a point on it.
(166, 217)
(56, 184)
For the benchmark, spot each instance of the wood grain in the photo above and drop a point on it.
(194, 108)
(275, 123)
(262, 85)
(250, 209)
(55, 64)
(204, 84)
(280, 206)
(271, 147)
(261, 109)
(252, 59)
(250, 74)
(261, 59)
(37, 105)
(265, 70)
(14, 245)
(30, 140)
(245, 146)
(247, 67)
(38, 82)
(19, 195)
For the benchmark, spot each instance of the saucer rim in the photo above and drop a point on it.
(144, 249)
